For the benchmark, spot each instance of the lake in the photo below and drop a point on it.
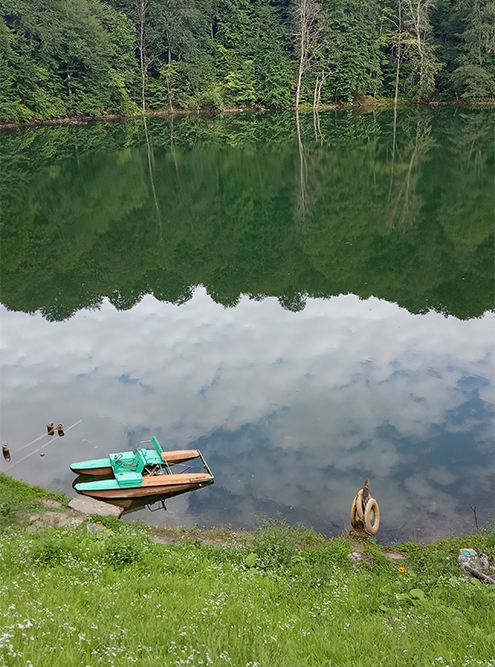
(307, 300)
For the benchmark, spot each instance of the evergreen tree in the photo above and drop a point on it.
(181, 47)
(355, 48)
(475, 75)
(425, 65)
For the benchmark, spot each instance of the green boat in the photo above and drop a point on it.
(142, 472)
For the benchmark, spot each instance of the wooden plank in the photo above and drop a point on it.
(170, 480)
(141, 492)
(180, 455)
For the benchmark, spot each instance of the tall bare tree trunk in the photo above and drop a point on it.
(315, 95)
(417, 30)
(167, 78)
(301, 70)
(396, 97)
(418, 18)
(142, 8)
(305, 15)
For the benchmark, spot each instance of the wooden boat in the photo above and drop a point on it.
(142, 472)
(101, 467)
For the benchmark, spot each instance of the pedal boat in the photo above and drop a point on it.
(142, 472)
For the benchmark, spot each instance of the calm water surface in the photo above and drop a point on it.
(309, 303)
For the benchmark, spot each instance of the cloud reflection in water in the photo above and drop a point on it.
(292, 410)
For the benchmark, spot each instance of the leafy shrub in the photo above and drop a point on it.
(211, 99)
(274, 542)
(48, 550)
(337, 553)
(121, 550)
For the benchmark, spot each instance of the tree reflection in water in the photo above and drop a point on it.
(255, 205)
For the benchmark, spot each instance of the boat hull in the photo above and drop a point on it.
(99, 472)
(140, 492)
(150, 486)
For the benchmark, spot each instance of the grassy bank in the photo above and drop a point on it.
(109, 595)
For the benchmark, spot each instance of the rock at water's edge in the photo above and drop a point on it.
(92, 506)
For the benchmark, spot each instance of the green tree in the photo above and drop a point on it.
(17, 77)
(475, 75)
(425, 65)
(181, 45)
(447, 28)
(69, 56)
(354, 35)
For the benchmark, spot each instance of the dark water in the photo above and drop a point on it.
(309, 303)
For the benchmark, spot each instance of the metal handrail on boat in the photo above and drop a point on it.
(166, 464)
(207, 467)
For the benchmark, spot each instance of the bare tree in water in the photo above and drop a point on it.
(302, 199)
(151, 168)
(405, 203)
(310, 181)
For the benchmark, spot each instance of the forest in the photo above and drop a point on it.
(62, 58)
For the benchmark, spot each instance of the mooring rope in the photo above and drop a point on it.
(39, 448)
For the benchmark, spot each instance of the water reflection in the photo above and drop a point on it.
(309, 301)
(292, 410)
(251, 205)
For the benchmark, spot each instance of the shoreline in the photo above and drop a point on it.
(52, 510)
(100, 591)
(94, 590)
(366, 105)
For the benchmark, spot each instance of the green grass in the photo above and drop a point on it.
(276, 597)
(17, 498)
(69, 597)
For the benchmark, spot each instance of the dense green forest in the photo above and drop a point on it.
(251, 204)
(71, 57)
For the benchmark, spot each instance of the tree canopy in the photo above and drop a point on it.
(73, 57)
